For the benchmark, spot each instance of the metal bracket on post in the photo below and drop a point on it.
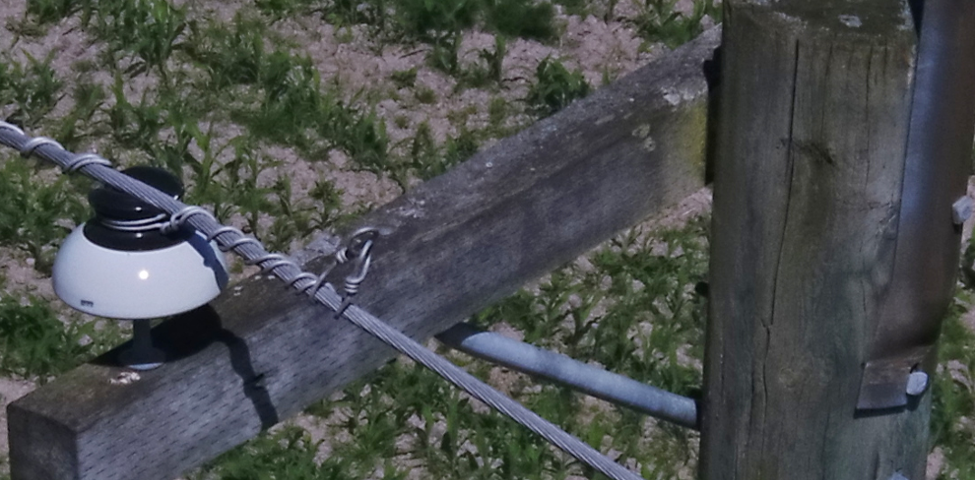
(889, 382)
(927, 246)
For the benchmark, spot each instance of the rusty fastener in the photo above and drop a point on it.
(963, 208)
(917, 383)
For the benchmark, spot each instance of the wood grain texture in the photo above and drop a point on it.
(812, 134)
(449, 248)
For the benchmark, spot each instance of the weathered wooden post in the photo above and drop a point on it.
(830, 234)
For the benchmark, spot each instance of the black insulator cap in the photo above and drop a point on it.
(114, 205)
(117, 205)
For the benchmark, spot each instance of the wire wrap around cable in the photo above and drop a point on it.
(253, 252)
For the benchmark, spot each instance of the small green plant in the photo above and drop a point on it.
(292, 103)
(244, 193)
(425, 159)
(326, 204)
(498, 111)
(521, 18)
(433, 20)
(296, 109)
(404, 78)
(424, 154)
(52, 11)
(374, 14)
(425, 95)
(34, 90)
(150, 30)
(362, 136)
(230, 55)
(444, 54)
(296, 220)
(479, 75)
(493, 60)
(35, 343)
(555, 87)
(134, 126)
(289, 453)
(79, 123)
(952, 423)
(35, 216)
(660, 22)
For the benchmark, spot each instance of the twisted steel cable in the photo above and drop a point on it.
(254, 253)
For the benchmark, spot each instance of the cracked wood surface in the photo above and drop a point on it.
(814, 115)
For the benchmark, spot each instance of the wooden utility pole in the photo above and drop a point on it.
(816, 215)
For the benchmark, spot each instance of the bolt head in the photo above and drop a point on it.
(917, 384)
(963, 209)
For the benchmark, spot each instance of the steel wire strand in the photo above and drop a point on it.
(254, 253)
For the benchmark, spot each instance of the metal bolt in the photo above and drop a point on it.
(917, 383)
(963, 208)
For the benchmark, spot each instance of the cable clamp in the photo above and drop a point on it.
(84, 159)
(14, 128)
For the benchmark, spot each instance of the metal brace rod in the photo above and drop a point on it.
(938, 151)
(566, 371)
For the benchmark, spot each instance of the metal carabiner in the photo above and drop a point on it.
(352, 250)
(361, 268)
(357, 250)
(356, 243)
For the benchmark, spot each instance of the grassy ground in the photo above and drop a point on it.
(291, 117)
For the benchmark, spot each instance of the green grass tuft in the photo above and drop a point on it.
(433, 20)
(555, 87)
(33, 90)
(288, 454)
(488, 72)
(229, 54)
(952, 423)
(35, 343)
(150, 30)
(35, 216)
(52, 11)
(658, 21)
(404, 78)
(521, 18)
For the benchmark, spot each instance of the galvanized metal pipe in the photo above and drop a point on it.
(927, 243)
(564, 370)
